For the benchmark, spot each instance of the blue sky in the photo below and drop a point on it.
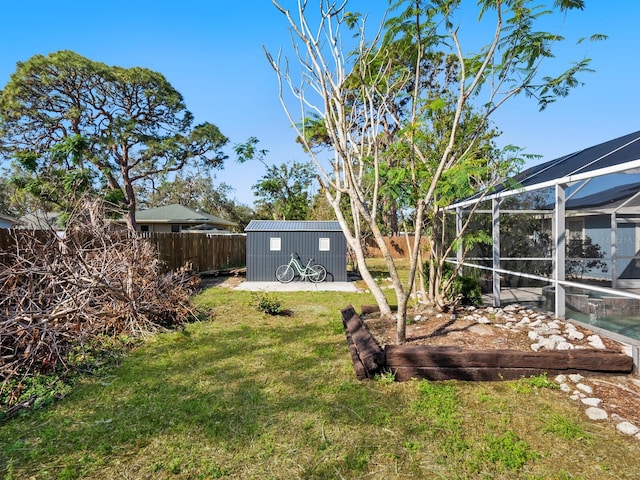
(211, 51)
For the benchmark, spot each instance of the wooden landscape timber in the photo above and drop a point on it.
(366, 354)
(454, 363)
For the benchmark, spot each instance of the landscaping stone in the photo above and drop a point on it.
(628, 428)
(596, 342)
(575, 335)
(595, 413)
(592, 402)
(584, 388)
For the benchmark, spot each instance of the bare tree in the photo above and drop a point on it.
(437, 146)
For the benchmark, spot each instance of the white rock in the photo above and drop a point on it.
(575, 377)
(628, 428)
(575, 396)
(575, 335)
(533, 335)
(484, 320)
(561, 378)
(565, 388)
(564, 346)
(543, 329)
(553, 325)
(535, 323)
(595, 413)
(536, 347)
(417, 318)
(596, 342)
(584, 388)
(592, 401)
(570, 326)
(548, 343)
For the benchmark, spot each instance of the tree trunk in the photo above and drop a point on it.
(401, 319)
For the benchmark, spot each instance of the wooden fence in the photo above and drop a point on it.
(204, 253)
(398, 247)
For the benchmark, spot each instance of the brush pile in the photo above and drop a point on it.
(59, 291)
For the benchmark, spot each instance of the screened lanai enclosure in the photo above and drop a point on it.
(569, 230)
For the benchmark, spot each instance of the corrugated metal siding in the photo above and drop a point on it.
(262, 263)
(292, 226)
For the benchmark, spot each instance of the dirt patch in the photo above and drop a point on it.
(225, 281)
(478, 328)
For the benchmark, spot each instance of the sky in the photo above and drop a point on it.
(211, 51)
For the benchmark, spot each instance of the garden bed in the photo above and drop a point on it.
(463, 349)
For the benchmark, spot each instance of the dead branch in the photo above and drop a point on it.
(61, 291)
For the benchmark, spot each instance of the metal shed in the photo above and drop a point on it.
(270, 243)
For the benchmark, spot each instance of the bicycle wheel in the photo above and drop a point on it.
(285, 273)
(319, 273)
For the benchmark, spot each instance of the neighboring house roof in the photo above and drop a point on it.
(179, 214)
(40, 221)
(6, 219)
(292, 226)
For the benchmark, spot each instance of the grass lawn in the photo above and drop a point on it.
(245, 395)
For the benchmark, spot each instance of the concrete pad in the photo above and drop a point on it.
(297, 287)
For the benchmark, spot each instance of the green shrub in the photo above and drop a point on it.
(465, 289)
(267, 303)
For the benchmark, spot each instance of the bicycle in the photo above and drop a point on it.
(313, 271)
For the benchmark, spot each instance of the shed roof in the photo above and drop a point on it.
(292, 226)
(179, 214)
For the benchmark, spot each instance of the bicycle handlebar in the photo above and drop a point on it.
(295, 255)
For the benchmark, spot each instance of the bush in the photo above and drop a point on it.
(268, 303)
(465, 289)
